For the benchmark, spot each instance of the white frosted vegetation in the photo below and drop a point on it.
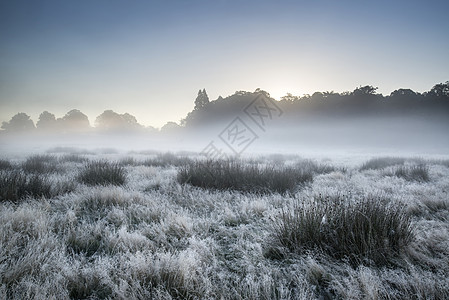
(154, 238)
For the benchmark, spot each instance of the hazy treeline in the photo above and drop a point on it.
(73, 121)
(361, 102)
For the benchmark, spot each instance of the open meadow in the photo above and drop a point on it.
(78, 224)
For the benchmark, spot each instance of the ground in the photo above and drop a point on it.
(154, 236)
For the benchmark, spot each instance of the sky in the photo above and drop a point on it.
(150, 58)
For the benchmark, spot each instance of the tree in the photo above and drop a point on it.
(201, 100)
(110, 120)
(403, 93)
(328, 94)
(170, 127)
(74, 120)
(364, 90)
(260, 91)
(130, 120)
(289, 98)
(19, 123)
(317, 95)
(46, 121)
(440, 90)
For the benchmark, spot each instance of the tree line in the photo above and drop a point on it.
(361, 101)
(72, 121)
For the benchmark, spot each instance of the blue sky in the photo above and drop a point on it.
(149, 58)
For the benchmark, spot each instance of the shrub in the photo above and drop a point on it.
(378, 163)
(17, 185)
(102, 172)
(237, 175)
(40, 164)
(413, 173)
(364, 231)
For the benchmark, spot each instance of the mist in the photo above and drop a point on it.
(251, 123)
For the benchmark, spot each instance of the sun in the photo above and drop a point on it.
(280, 88)
(278, 93)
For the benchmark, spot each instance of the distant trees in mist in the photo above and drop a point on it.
(361, 101)
(112, 121)
(72, 121)
(19, 123)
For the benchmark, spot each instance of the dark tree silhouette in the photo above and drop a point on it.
(403, 93)
(19, 123)
(260, 91)
(47, 121)
(289, 98)
(317, 95)
(440, 90)
(364, 90)
(201, 100)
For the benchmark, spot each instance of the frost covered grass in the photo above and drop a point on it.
(366, 231)
(17, 185)
(378, 163)
(5, 164)
(343, 234)
(233, 174)
(102, 172)
(40, 164)
(417, 172)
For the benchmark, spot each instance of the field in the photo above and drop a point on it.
(147, 225)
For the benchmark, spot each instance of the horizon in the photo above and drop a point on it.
(150, 58)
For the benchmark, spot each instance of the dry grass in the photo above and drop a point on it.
(239, 176)
(106, 241)
(413, 172)
(102, 172)
(40, 164)
(378, 163)
(367, 231)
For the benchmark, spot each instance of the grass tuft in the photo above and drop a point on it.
(378, 163)
(413, 173)
(40, 164)
(102, 172)
(17, 185)
(240, 176)
(88, 285)
(367, 231)
(5, 164)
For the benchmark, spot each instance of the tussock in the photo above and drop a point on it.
(363, 231)
(236, 175)
(102, 172)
